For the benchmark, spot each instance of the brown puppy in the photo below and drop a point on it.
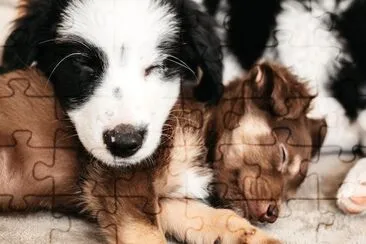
(266, 142)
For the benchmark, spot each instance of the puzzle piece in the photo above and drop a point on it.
(22, 93)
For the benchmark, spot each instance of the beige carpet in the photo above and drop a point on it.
(310, 218)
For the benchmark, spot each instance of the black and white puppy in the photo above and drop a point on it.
(118, 66)
(322, 41)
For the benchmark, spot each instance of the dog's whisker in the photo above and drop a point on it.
(182, 64)
(65, 39)
(183, 118)
(62, 60)
(67, 137)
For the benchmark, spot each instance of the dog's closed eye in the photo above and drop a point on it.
(284, 159)
(152, 68)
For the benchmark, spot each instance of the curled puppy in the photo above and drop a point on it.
(265, 143)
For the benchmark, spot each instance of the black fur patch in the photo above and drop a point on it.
(349, 85)
(201, 48)
(36, 26)
(249, 28)
(76, 77)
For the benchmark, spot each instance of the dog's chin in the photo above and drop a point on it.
(142, 156)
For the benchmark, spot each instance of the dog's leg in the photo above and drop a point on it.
(351, 197)
(130, 230)
(124, 204)
(125, 222)
(194, 222)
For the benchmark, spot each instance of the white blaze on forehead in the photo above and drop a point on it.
(250, 130)
(254, 126)
(109, 24)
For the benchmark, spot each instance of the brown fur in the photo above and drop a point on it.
(36, 171)
(141, 204)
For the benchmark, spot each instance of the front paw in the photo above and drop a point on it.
(257, 236)
(240, 231)
(351, 197)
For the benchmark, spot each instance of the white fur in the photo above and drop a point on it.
(192, 180)
(312, 50)
(137, 27)
(194, 184)
(309, 48)
(232, 68)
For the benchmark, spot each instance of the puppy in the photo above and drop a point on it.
(265, 142)
(117, 66)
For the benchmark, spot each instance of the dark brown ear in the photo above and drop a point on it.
(278, 91)
(318, 129)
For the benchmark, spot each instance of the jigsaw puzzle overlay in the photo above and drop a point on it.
(309, 217)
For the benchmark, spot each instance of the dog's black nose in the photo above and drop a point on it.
(124, 140)
(271, 215)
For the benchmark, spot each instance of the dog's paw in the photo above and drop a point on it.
(246, 237)
(351, 197)
(240, 231)
(257, 236)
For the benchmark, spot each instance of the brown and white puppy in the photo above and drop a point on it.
(265, 141)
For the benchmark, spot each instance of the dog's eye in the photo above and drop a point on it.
(284, 154)
(153, 68)
(85, 65)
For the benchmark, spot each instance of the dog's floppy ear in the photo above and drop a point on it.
(278, 91)
(32, 27)
(201, 51)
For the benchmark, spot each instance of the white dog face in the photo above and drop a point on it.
(135, 88)
(118, 66)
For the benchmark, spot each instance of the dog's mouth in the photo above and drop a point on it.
(130, 161)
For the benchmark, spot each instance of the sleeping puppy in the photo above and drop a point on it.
(322, 42)
(265, 142)
(117, 66)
